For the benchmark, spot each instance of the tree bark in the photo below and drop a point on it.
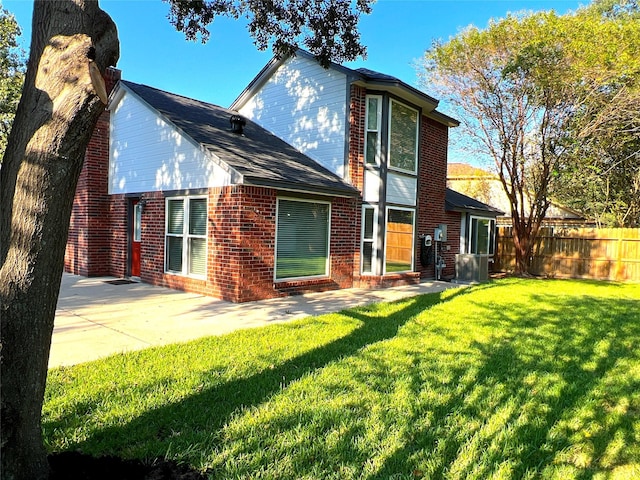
(55, 118)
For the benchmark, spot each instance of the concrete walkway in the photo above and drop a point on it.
(95, 318)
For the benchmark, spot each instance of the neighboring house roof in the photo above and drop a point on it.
(457, 202)
(360, 76)
(261, 158)
(486, 186)
(455, 170)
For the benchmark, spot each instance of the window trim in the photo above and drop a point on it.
(378, 155)
(327, 267)
(490, 239)
(373, 241)
(413, 238)
(186, 236)
(137, 222)
(417, 137)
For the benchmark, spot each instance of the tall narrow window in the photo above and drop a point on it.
(368, 239)
(197, 236)
(372, 132)
(399, 240)
(137, 222)
(302, 239)
(403, 137)
(186, 236)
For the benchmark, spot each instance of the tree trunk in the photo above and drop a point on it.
(56, 115)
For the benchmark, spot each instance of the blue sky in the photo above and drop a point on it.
(396, 34)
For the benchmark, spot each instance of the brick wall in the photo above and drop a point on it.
(357, 119)
(88, 248)
(431, 196)
(240, 245)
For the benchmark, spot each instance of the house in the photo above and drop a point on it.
(314, 179)
(486, 187)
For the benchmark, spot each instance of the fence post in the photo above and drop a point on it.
(619, 267)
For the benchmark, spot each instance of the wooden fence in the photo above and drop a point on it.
(597, 253)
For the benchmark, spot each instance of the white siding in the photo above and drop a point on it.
(401, 189)
(464, 245)
(305, 105)
(371, 186)
(148, 154)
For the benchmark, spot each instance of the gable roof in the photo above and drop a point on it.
(261, 158)
(457, 202)
(360, 76)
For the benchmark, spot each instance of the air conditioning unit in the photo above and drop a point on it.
(472, 268)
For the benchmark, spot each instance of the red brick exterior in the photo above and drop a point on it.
(242, 224)
(88, 246)
(432, 180)
(357, 114)
(241, 245)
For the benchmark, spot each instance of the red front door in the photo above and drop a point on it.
(136, 236)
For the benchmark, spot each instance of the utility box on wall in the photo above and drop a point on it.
(471, 268)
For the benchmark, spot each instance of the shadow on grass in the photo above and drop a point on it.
(194, 422)
(552, 379)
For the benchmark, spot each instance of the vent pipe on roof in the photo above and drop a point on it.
(237, 124)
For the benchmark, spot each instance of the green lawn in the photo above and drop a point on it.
(511, 379)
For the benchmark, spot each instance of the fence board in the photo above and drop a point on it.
(603, 254)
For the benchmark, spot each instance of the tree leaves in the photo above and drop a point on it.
(11, 74)
(326, 28)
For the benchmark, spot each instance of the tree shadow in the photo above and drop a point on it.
(538, 379)
(205, 412)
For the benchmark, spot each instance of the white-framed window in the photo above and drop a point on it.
(372, 135)
(186, 236)
(482, 235)
(369, 234)
(137, 222)
(403, 137)
(399, 242)
(302, 239)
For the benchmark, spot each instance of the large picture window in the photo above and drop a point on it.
(186, 236)
(302, 239)
(372, 133)
(482, 235)
(403, 137)
(399, 240)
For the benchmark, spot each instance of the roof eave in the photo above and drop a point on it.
(479, 211)
(347, 192)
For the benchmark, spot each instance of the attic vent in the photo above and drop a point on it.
(237, 123)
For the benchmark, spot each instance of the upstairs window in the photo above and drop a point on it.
(403, 137)
(186, 236)
(372, 131)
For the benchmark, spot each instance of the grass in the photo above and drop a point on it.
(511, 379)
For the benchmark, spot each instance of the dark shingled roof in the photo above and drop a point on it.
(259, 156)
(372, 75)
(457, 202)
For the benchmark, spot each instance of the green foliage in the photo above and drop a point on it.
(329, 30)
(576, 77)
(602, 176)
(11, 74)
(511, 379)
